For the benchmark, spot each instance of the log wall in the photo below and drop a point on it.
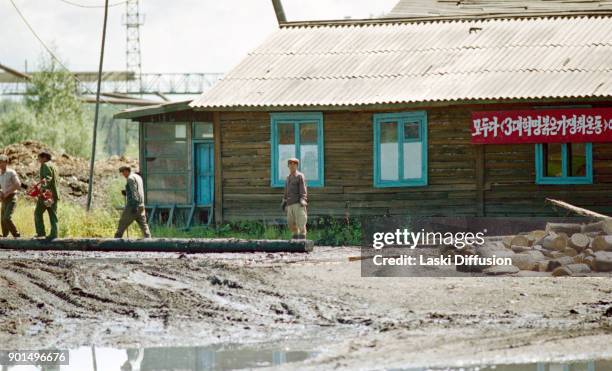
(464, 179)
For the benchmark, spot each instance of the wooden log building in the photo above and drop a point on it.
(446, 114)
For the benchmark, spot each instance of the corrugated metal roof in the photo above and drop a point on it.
(436, 8)
(356, 65)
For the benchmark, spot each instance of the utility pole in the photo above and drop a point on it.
(95, 128)
(280, 12)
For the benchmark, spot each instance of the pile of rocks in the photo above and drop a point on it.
(562, 249)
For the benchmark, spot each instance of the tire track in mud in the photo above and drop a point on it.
(30, 285)
(87, 297)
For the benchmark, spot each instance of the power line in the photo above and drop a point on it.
(23, 18)
(91, 6)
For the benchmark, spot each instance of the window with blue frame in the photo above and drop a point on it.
(564, 163)
(297, 135)
(400, 149)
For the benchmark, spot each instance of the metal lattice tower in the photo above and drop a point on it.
(133, 19)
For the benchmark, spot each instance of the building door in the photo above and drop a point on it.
(204, 173)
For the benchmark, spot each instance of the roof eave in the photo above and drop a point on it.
(434, 18)
(135, 113)
(402, 105)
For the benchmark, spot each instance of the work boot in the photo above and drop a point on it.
(295, 237)
(301, 237)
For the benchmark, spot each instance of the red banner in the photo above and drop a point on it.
(542, 126)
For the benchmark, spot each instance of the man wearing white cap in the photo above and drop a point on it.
(295, 200)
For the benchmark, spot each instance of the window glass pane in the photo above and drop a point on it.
(174, 149)
(576, 153)
(309, 151)
(411, 131)
(161, 181)
(308, 133)
(202, 130)
(412, 160)
(389, 151)
(286, 148)
(180, 131)
(157, 164)
(159, 130)
(168, 131)
(166, 197)
(553, 166)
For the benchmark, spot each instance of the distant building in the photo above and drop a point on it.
(472, 110)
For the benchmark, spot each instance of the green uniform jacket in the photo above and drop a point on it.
(134, 191)
(49, 172)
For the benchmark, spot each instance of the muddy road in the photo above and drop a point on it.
(314, 302)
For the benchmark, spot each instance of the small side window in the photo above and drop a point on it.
(564, 163)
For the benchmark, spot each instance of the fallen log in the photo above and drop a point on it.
(571, 270)
(520, 240)
(579, 241)
(179, 245)
(578, 210)
(554, 242)
(602, 243)
(567, 228)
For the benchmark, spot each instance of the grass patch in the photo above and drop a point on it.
(75, 221)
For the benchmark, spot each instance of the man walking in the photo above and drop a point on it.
(295, 200)
(48, 184)
(134, 205)
(9, 185)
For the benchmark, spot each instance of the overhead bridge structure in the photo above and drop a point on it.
(119, 82)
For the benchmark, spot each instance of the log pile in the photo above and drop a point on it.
(562, 249)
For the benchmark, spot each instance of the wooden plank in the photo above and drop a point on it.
(218, 196)
(152, 217)
(479, 166)
(171, 216)
(190, 218)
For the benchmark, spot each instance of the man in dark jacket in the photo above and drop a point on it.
(48, 185)
(134, 205)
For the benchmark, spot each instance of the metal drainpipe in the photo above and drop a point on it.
(280, 12)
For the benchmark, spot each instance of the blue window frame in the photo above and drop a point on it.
(564, 163)
(297, 135)
(400, 149)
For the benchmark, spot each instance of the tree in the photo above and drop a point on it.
(52, 97)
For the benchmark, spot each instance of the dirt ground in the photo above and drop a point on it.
(314, 302)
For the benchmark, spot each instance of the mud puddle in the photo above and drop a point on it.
(314, 303)
(591, 365)
(230, 357)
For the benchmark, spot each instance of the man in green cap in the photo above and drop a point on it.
(48, 182)
(134, 205)
(9, 185)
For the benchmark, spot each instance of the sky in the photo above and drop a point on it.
(177, 35)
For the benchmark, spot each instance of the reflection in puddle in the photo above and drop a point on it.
(235, 358)
(602, 365)
(174, 358)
